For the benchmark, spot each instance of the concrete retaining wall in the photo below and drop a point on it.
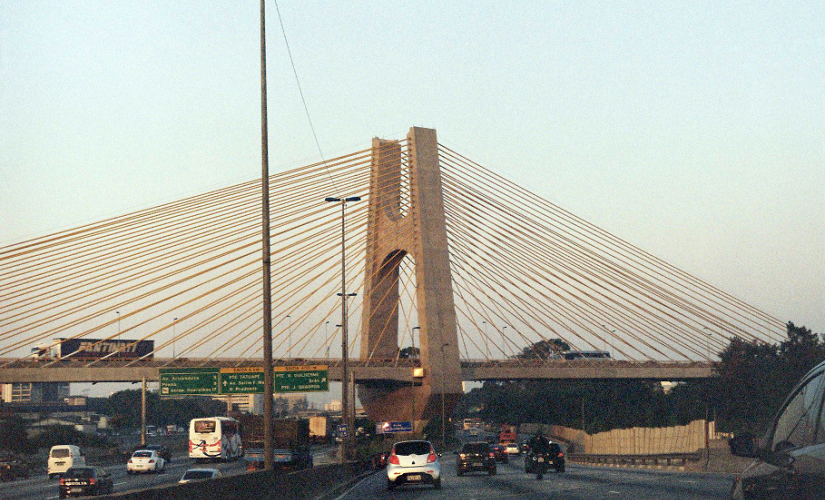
(305, 484)
(638, 440)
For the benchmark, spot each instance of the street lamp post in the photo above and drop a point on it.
(174, 324)
(412, 385)
(443, 411)
(326, 336)
(118, 324)
(344, 333)
(289, 340)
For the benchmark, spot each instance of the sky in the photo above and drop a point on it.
(694, 130)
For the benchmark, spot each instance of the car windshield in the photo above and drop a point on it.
(79, 473)
(475, 448)
(197, 474)
(142, 454)
(413, 448)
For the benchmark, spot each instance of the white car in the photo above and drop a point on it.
(413, 462)
(512, 449)
(145, 461)
(199, 475)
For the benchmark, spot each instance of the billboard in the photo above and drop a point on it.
(98, 348)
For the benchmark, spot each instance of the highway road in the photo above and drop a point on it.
(39, 487)
(577, 483)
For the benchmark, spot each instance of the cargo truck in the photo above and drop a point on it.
(291, 443)
(85, 349)
(320, 429)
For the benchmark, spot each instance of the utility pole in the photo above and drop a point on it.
(143, 412)
(269, 382)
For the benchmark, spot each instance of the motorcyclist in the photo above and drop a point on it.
(539, 447)
(539, 444)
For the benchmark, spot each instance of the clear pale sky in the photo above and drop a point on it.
(695, 130)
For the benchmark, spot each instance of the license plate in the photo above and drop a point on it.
(77, 490)
(541, 459)
(414, 477)
(478, 464)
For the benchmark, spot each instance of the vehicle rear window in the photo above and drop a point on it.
(413, 448)
(476, 448)
(204, 426)
(142, 454)
(79, 473)
(555, 448)
(198, 474)
(61, 453)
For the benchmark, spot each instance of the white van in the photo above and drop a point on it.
(63, 456)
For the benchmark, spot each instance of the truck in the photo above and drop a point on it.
(85, 349)
(291, 442)
(320, 429)
(508, 434)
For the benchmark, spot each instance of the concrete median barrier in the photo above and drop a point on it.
(260, 485)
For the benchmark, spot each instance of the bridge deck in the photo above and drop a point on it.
(130, 371)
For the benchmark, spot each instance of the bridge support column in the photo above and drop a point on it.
(408, 219)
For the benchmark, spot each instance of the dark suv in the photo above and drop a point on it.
(84, 482)
(476, 457)
(790, 459)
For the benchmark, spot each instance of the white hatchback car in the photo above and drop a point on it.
(512, 449)
(413, 462)
(145, 461)
(199, 475)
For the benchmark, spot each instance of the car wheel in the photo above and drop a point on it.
(560, 468)
(459, 473)
(390, 485)
(437, 484)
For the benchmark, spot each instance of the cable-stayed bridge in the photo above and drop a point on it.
(454, 268)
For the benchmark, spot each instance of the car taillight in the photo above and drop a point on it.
(431, 457)
(492, 455)
(130, 461)
(62, 481)
(92, 481)
(394, 459)
(151, 460)
(561, 454)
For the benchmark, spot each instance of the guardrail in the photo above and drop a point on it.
(662, 459)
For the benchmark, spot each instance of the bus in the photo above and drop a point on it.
(215, 439)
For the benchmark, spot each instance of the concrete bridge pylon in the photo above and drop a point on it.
(407, 218)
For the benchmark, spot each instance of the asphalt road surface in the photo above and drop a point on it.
(577, 483)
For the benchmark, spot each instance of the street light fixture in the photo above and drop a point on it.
(344, 321)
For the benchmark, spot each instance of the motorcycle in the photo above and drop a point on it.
(537, 462)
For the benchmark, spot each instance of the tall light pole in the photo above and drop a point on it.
(443, 412)
(118, 325)
(289, 340)
(174, 324)
(412, 385)
(326, 336)
(344, 321)
(269, 382)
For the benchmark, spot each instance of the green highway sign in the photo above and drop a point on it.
(186, 381)
(312, 378)
(241, 380)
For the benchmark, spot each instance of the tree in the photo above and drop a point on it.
(409, 352)
(544, 349)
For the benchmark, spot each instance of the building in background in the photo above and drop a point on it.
(35, 393)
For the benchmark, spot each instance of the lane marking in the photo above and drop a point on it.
(353, 487)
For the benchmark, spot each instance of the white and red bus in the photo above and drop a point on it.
(215, 439)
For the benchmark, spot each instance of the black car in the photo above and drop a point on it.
(476, 457)
(550, 457)
(500, 452)
(790, 459)
(162, 451)
(85, 481)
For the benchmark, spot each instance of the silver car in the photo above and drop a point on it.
(413, 462)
